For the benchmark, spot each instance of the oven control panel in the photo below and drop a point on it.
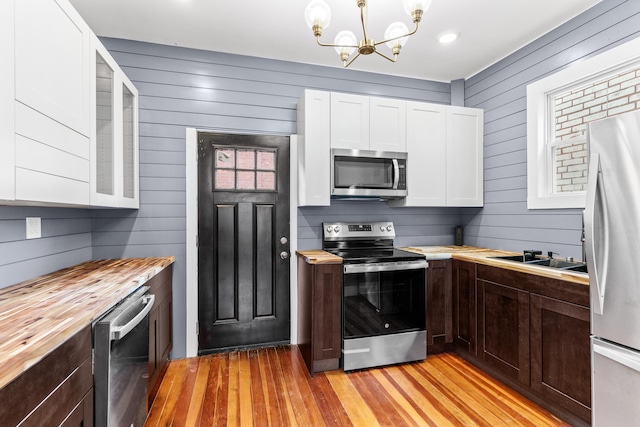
(347, 230)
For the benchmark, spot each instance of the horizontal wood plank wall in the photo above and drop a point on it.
(182, 88)
(66, 240)
(500, 90)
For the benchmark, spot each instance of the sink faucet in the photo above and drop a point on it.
(530, 254)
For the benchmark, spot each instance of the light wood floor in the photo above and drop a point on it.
(272, 387)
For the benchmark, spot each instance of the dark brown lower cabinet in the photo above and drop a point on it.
(464, 307)
(503, 329)
(439, 306)
(532, 333)
(58, 390)
(160, 330)
(560, 353)
(320, 315)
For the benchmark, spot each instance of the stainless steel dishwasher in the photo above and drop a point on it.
(121, 362)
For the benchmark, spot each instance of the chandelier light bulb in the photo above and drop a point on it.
(347, 42)
(317, 13)
(413, 5)
(394, 30)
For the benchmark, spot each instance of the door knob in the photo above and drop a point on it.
(284, 255)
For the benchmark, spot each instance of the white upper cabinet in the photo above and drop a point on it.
(444, 145)
(7, 175)
(314, 150)
(387, 118)
(51, 75)
(367, 123)
(349, 121)
(52, 61)
(49, 109)
(426, 155)
(114, 133)
(465, 127)
(445, 157)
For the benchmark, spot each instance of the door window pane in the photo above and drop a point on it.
(246, 180)
(245, 169)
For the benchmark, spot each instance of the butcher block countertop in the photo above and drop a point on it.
(463, 253)
(318, 256)
(483, 256)
(38, 315)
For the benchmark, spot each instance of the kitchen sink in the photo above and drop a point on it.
(560, 264)
(518, 258)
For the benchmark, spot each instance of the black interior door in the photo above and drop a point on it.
(243, 247)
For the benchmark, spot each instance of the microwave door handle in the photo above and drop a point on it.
(396, 174)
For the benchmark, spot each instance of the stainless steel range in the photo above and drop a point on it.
(383, 295)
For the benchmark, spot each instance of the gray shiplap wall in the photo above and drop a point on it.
(500, 90)
(65, 241)
(182, 88)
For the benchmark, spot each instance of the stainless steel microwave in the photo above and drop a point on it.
(364, 173)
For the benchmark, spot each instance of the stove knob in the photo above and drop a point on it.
(382, 228)
(337, 228)
(389, 228)
(329, 229)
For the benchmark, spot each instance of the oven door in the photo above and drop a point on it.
(383, 298)
(121, 362)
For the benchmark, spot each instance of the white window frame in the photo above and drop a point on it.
(540, 122)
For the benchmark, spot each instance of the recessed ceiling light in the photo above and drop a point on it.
(448, 37)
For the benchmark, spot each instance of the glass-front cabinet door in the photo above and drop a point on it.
(114, 136)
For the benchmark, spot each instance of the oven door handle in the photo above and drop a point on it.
(390, 266)
(119, 332)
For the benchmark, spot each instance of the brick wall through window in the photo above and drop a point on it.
(574, 109)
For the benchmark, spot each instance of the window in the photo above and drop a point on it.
(245, 169)
(560, 107)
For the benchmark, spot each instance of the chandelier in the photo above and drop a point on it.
(318, 16)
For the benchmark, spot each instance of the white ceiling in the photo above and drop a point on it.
(489, 29)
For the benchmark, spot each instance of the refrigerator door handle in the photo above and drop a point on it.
(595, 214)
(617, 356)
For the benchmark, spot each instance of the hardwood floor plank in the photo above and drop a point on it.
(353, 403)
(197, 394)
(284, 404)
(414, 412)
(269, 391)
(513, 404)
(209, 407)
(465, 397)
(259, 407)
(426, 403)
(271, 387)
(223, 394)
(233, 407)
(298, 383)
(181, 409)
(468, 412)
(379, 401)
(328, 402)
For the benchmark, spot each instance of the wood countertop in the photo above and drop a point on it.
(483, 256)
(38, 315)
(318, 256)
(463, 253)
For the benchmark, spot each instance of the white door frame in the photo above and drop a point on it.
(191, 297)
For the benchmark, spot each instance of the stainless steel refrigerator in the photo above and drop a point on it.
(612, 230)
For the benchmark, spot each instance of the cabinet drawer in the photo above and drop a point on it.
(51, 388)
